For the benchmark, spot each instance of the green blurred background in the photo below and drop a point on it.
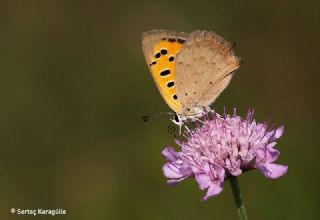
(74, 85)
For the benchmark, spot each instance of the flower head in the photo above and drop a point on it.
(224, 146)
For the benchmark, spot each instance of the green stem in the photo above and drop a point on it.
(242, 213)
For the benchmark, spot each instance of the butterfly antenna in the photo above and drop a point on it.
(146, 118)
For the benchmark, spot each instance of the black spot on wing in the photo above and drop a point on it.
(170, 84)
(157, 55)
(164, 51)
(165, 72)
(153, 63)
(181, 41)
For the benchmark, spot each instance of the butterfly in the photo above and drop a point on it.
(190, 70)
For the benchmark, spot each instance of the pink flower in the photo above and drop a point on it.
(224, 146)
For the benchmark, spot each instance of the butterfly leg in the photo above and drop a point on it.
(185, 126)
(178, 121)
(207, 109)
(197, 119)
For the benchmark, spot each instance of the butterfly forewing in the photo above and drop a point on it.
(160, 48)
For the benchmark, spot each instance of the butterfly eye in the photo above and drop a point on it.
(176, 118)
(188, 109)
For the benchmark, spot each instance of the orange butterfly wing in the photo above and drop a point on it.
(160, 48)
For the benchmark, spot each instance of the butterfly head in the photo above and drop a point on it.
(189, 113)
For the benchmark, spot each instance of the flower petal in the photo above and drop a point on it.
(234, 168)
(279, 132)
(186, 170)
(271, 155)
(171, 171)
(273, 171)
(173, 182)
(203, 180)
(213, 190)
(170, 154)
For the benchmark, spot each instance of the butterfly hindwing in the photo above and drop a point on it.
(204, 68)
